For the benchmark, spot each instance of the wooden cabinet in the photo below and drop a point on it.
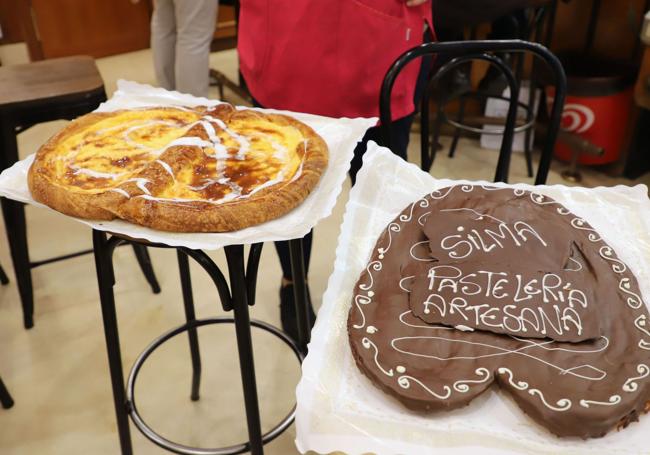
(91, 27)
(56, 28)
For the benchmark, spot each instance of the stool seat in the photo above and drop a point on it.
(57, 80)
(32, 93)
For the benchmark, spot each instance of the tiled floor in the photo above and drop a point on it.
(58, 371)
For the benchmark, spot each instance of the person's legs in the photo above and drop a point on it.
(163, 42)
(282, 249)
(400, 131)
(195, 21)
(401, 128)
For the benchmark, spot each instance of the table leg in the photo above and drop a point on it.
(300, 293)
(235, 258)
(190, 316)
(106, 281)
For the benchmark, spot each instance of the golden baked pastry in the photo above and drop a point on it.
(179, 169)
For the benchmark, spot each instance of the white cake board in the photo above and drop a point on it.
(340, 410)
(341, 136)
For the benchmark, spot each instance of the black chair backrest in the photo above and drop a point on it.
(464, 51)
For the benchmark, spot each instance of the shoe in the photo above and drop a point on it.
(288, 311)
(494, 82)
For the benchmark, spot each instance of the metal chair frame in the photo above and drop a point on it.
(481, 50)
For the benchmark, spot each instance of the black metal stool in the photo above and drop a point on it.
(5, 399)
(33, 93)
(237, 297)
(479, 50)
(528, 28)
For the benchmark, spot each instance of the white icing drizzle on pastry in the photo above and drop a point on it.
(167, 168)
(94, 174)
(214, 143)
(141, 184)
(121, 191)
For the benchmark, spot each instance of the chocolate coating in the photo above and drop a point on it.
(575, 383)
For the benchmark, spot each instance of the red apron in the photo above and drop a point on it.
(329, 57)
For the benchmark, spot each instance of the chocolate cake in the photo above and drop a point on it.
(474, 285)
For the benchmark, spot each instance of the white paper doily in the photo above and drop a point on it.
(338, 409)
(341, 136)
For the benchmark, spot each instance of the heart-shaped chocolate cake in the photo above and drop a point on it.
(474, 285)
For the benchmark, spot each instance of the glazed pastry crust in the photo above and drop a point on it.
(172, 214)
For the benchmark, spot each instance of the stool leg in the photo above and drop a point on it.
(460, 118)
(235, 258)
(437, 125)
(4, 279)
(5, 398)
(105, 280)
(14, 215)
(190, 316)
(142, 255)
(530, 115)
(300, 292)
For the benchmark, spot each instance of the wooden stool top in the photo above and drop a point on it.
(49, 80)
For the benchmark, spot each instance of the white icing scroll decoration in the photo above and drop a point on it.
(519, 385)
(641, 322)
(401, 286)
(631, 385)
(376, 266)
(423, 203)
(392, 227)
(608, 254)
(427, 259)
(633, 301)
(423, 218)
(611, 401)
(437, 195)
(405, 382)
(368, 344)
(467, 188)
(580, 371)
(540, 199)
(579, 223)
(462, 385)
(574, 270)
(563, 404)
(359, 300)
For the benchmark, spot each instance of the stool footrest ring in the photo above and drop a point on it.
(161, 441)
